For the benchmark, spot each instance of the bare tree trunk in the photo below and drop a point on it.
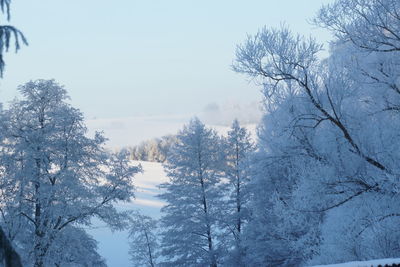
(151, 261)
(209, 237)
(206, 213)
(40, 251)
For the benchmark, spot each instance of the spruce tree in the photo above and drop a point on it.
(189, 218)
(239, 147)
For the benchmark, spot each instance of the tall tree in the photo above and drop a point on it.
(53, 175)
(189, 218)
(238, 152)
(328, 137)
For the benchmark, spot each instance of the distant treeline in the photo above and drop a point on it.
(154, 150)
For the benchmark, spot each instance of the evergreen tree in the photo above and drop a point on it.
(7, 32)
(189, 218)
(238, 150)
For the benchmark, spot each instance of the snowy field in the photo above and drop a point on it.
(113, 246)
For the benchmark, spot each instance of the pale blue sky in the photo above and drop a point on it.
(127, 58)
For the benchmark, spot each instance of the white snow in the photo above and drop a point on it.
(371, 263)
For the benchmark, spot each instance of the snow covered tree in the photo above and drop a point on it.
(368, 25)
(368, 31)
(235, 211)
(328, 141)
(54, 177)
(273, 234)
(189, 218)
(144, 243)
(7, 32)
(155, 150)
(73, 247)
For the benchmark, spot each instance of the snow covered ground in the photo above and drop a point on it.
(371, 263)
(113, 246)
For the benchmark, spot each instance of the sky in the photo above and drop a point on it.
(129, 58)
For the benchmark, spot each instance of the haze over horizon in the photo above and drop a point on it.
(144, 58)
